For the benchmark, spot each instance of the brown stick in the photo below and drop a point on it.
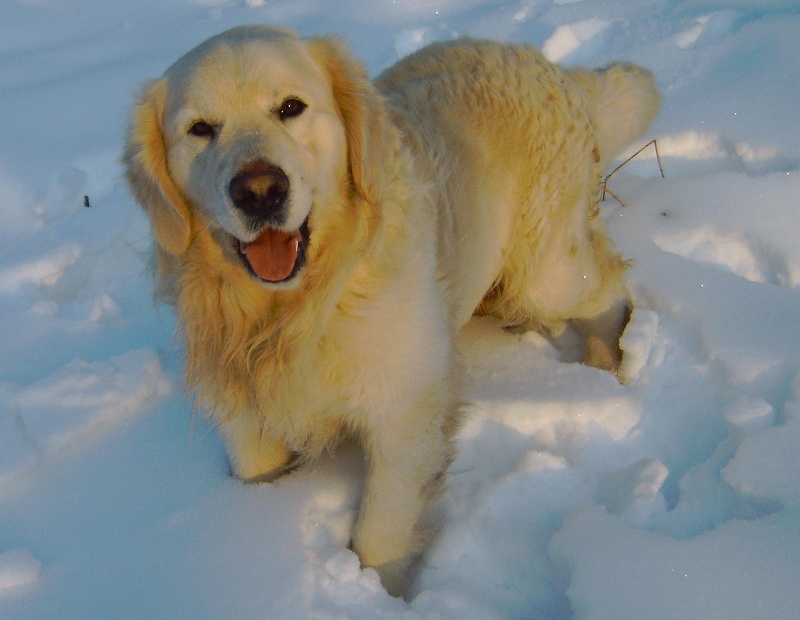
(610, 174)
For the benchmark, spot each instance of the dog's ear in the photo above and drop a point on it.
(361, 108)
(145, 162)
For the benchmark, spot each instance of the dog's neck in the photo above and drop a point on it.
(236, 329)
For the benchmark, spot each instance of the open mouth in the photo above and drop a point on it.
(275, 255)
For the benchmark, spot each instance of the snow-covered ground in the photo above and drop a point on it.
(674, 496)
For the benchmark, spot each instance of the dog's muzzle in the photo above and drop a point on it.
(259, 191)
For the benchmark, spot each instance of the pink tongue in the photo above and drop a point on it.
(273, 255)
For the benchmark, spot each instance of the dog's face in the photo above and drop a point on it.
(254, 140)
(250, 136)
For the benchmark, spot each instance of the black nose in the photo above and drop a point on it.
(259, 190)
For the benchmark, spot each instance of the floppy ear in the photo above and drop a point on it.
(360, 106)
(145, 161)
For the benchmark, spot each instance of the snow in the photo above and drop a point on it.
(80, 396)
(578, 42)
(675, 495)
(18, 568)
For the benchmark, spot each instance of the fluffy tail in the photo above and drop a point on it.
(625, 101)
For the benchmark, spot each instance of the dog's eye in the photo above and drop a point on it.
(202, 129)
(290, 108)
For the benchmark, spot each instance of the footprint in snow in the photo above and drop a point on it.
(730, 251)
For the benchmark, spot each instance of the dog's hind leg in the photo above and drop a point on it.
(574, 276)
(602, 334)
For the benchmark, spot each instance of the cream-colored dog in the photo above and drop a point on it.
(324, 238)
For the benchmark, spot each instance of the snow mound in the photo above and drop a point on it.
(709, 29)
(764, 466)
(18, 568)
(83, 396)
(410, 40)
(635, 491)
(727, 250)
(44, 271)
(579, 42)
(76, 401)
(637, 342)
(747, 416)
(694, 153)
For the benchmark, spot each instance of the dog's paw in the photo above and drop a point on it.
(599, 354)
(395, 577)
(294, 462)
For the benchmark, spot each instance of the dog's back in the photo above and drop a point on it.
(514, 147)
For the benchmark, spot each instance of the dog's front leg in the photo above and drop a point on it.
(408, 454)
(255, 455)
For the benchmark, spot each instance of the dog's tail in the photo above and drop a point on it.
(625, 99)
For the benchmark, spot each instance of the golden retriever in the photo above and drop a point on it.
(324, 238)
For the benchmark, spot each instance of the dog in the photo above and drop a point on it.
(324, 238)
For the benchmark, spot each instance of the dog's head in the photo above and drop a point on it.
(250, 138)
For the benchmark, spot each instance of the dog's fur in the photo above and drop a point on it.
(465, 179)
